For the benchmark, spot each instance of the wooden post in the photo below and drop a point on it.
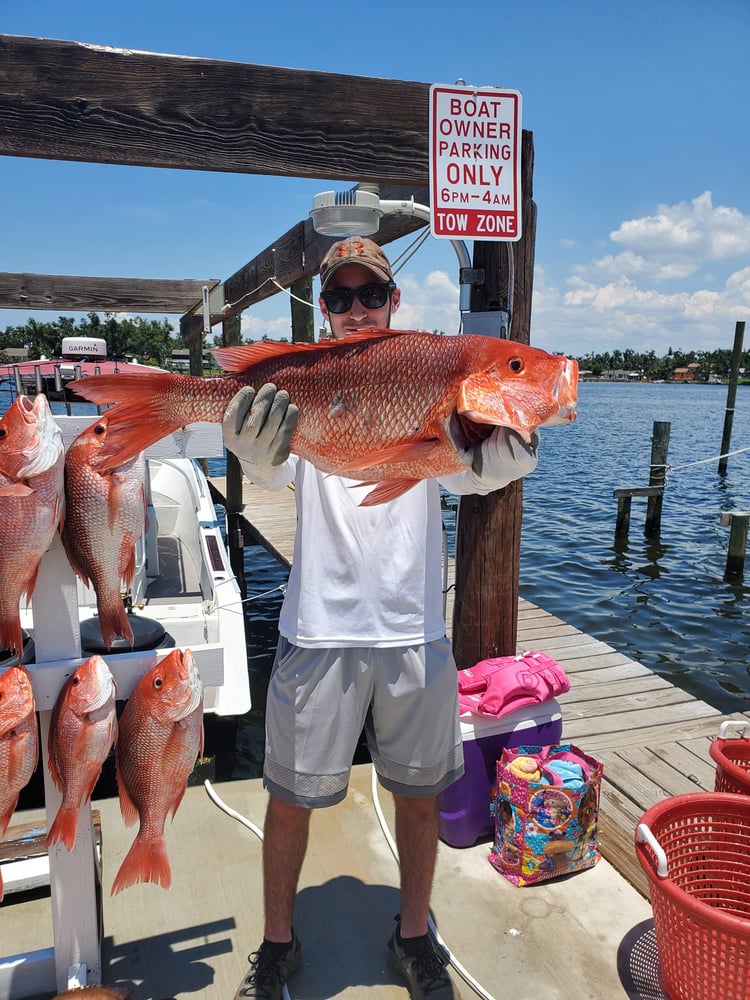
(657, 477)
(622, 525)
(738, 525)
(231, 334)
(488, 532)
(303, 316)
(726, 437)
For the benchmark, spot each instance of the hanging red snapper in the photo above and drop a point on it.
(82, 731)
(19, 741)
(32, 504)
(384, 406)
(160, 737)
(106, 515)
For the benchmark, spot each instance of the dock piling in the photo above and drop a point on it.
(657, 477)
(726, 437)
(738, 521)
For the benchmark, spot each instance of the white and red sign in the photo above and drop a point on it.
(475, 163)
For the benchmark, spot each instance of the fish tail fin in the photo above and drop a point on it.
(64, 828)
(146, 861)
(147, 407)
(11, 635)
(113, 621)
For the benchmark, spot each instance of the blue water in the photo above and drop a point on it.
(663, 602)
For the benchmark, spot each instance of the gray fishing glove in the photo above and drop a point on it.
(502, 458)
(258, 428)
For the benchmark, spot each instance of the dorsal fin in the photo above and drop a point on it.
(243, 356)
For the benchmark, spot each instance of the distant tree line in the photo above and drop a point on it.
(650, 366)
(153, 341)
(150, 341)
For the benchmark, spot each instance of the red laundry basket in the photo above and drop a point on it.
(695, 851)
(732, 758)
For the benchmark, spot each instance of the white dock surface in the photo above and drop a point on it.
(556, 941)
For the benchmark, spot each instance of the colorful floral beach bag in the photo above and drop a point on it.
(546, 806)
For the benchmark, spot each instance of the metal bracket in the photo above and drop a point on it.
(493, 323)
(471, 275)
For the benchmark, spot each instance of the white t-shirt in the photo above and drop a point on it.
(363, 576)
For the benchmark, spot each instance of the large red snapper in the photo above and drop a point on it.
(384, 406)
(19, 741)
(160, 737)
(106, 515)
(32, 504)
(82, 731)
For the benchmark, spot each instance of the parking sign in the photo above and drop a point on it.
(475, 163)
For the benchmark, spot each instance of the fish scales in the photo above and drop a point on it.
(160, 736)
(31, 504)
(106, 515)
(382, 406)
(82, 731)
(19, 741)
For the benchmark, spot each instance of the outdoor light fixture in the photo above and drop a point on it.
(358, 211)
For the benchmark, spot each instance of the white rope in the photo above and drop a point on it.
(463, 972)
(702, 461)
(245, 822)
(291, 296)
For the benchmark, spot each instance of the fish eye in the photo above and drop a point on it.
(75, 681)
(100, 429)
(516, 364)
(158, 681)
(3, 432)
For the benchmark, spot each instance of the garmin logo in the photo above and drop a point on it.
(84, 347)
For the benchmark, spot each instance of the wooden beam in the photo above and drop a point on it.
(297, 255)
(71, 101)
(87, 294)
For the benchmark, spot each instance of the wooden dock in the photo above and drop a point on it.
(652, 737)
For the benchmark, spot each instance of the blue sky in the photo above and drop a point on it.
(642, 153)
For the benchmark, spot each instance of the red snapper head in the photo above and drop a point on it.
(19, 434)
(172, 689)
(16, 698)
(520, 387)
(30, 441)
(90, 688)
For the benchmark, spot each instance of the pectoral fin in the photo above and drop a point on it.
(413, 451)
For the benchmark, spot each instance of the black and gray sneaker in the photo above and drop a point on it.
(270, 967)
(424, 967)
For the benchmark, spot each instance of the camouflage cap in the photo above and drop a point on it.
(355, 250)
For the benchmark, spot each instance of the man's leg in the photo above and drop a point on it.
(285, 839)
(417, 825)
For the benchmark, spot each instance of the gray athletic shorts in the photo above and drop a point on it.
(319, 700)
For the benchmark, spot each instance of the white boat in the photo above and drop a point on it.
(184, 592)
(79, 358)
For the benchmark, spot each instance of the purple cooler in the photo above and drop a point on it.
(465, 805)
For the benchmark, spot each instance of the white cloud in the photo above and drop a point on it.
(619, 299)
(696, 229)
(255, 327)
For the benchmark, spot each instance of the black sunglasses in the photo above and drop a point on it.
(339, 300)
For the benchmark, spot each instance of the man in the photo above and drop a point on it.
(362, 644)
